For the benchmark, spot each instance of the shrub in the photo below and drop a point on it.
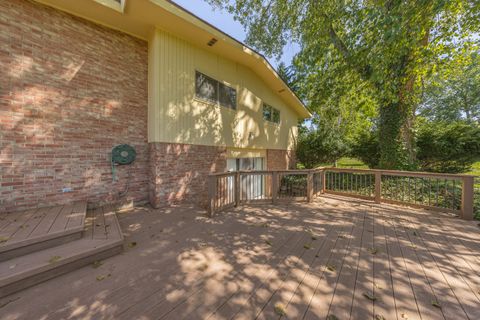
(366, 148)
(448, 147)
(319, 146)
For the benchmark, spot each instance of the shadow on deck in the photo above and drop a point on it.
(347, 258)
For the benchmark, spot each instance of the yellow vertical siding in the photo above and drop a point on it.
(176, 116)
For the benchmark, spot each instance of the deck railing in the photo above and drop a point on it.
(442, 192)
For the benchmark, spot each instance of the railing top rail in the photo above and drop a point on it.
(400, 173)
(352, 170)
(302, 171)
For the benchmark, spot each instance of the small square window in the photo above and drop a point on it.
(271, 114)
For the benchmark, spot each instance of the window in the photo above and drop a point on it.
(206, 88)
(211, 90)
(271, 114)
(228, 96)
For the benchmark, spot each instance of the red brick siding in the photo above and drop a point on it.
(178, 172)
(70, 90)
(280, 159)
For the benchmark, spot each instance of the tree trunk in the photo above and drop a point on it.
(392, 152)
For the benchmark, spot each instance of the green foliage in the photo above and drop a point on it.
(366, 148)
(318, 146)
(453, 93)
(448, 147)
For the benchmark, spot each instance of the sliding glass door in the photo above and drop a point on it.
(251, 186)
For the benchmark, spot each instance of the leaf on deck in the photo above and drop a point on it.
(280, 309)
(54, 259)
(332, 317)
(373, 250)
(379, 317)
(3, 239)
(436, 304)
(307, 246)
(369, 296)
(103, 277)
(96, 264)
(331, 268)
(268, 242)
(132, 244)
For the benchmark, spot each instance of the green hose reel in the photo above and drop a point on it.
(121, 155)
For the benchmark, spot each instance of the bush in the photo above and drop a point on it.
(366, 148)
(448, 147)
(319, 146)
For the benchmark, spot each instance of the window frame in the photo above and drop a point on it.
(218, 85)
(271, 119)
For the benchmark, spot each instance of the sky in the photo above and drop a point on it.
(225, 22)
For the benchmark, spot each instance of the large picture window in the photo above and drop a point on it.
(211, 90)
(271, 114)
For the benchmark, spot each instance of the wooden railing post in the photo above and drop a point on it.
(467, 197)
(309, 186)
(323, 180)
(378, 187)
(236, 189)
(212, 186)
(274, 186)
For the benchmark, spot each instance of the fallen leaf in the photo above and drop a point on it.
(54, 259)
(415, 233)
(379, 317)
(103, 277)
(202, 267)
(404, 315)
(332, 317)
(279, 309)
(369, 296)
(268, 242)
(314, 238)
(132, 244)
(96, 264)
(373, 250)
(436, 304)
(3, 239)
(307, 246)
(331, 268)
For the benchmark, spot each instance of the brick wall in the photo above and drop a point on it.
(70, 90)
(178, 172)
(280, 159)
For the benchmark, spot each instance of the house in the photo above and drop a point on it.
(80, 77)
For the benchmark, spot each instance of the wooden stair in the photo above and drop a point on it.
(66, 238)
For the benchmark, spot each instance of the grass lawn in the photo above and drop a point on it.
(475, 169)
(351, 163)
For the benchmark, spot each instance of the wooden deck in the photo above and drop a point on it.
(101, 238)
(347, 259)
(28, 231)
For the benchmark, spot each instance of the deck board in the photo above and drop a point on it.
(186, 266)
(29, 230)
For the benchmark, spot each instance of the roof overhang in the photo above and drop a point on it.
(140, 17)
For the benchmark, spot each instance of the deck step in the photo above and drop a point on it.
(29, 231)
(102, 238)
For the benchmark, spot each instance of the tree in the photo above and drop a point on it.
(320, 145)
(379, 50)
(453, 93)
